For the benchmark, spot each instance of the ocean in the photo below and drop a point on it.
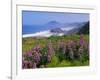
(29, 29)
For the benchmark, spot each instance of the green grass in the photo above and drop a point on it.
(29, 43)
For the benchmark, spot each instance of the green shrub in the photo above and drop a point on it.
(65, 63)
(54, 62)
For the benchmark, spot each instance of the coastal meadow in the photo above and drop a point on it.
(55, 51)
(55, 39)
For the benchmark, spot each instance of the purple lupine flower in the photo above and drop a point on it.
(24, 54)
(69, 44)
(37, 48)
(50, 49)
(30, 64)
(88, 49)
(62, 47)
(86, 45)
(36, 57)
(31, 58)
(71, 53)
(25, 64)
(36, 53)
(80, 52)
(34, 65)
(48, 58)
(29, 53)
(82, 41)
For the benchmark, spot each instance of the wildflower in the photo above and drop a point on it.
(48, 58)
(26, 64)
(50, 49)
(36, 57)
(80, 52)
(29, 53)
(34, 65)
(71, 54)
(82, 41)
(62, 47)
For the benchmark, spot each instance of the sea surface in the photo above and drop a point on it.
(31, 29)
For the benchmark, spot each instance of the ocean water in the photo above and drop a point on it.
(29, 29)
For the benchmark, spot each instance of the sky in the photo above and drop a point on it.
(41, 18)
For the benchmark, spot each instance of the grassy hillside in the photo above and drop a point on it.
(84, 29)
(28, 43)
(55, 51)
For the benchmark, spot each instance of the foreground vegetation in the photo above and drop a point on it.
(55, 51)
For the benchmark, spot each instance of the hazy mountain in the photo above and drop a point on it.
(84, 29)
(58, 30)
(76, 24)
(53, 23)
(73, 31)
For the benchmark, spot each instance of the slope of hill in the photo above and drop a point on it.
(84, 29)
